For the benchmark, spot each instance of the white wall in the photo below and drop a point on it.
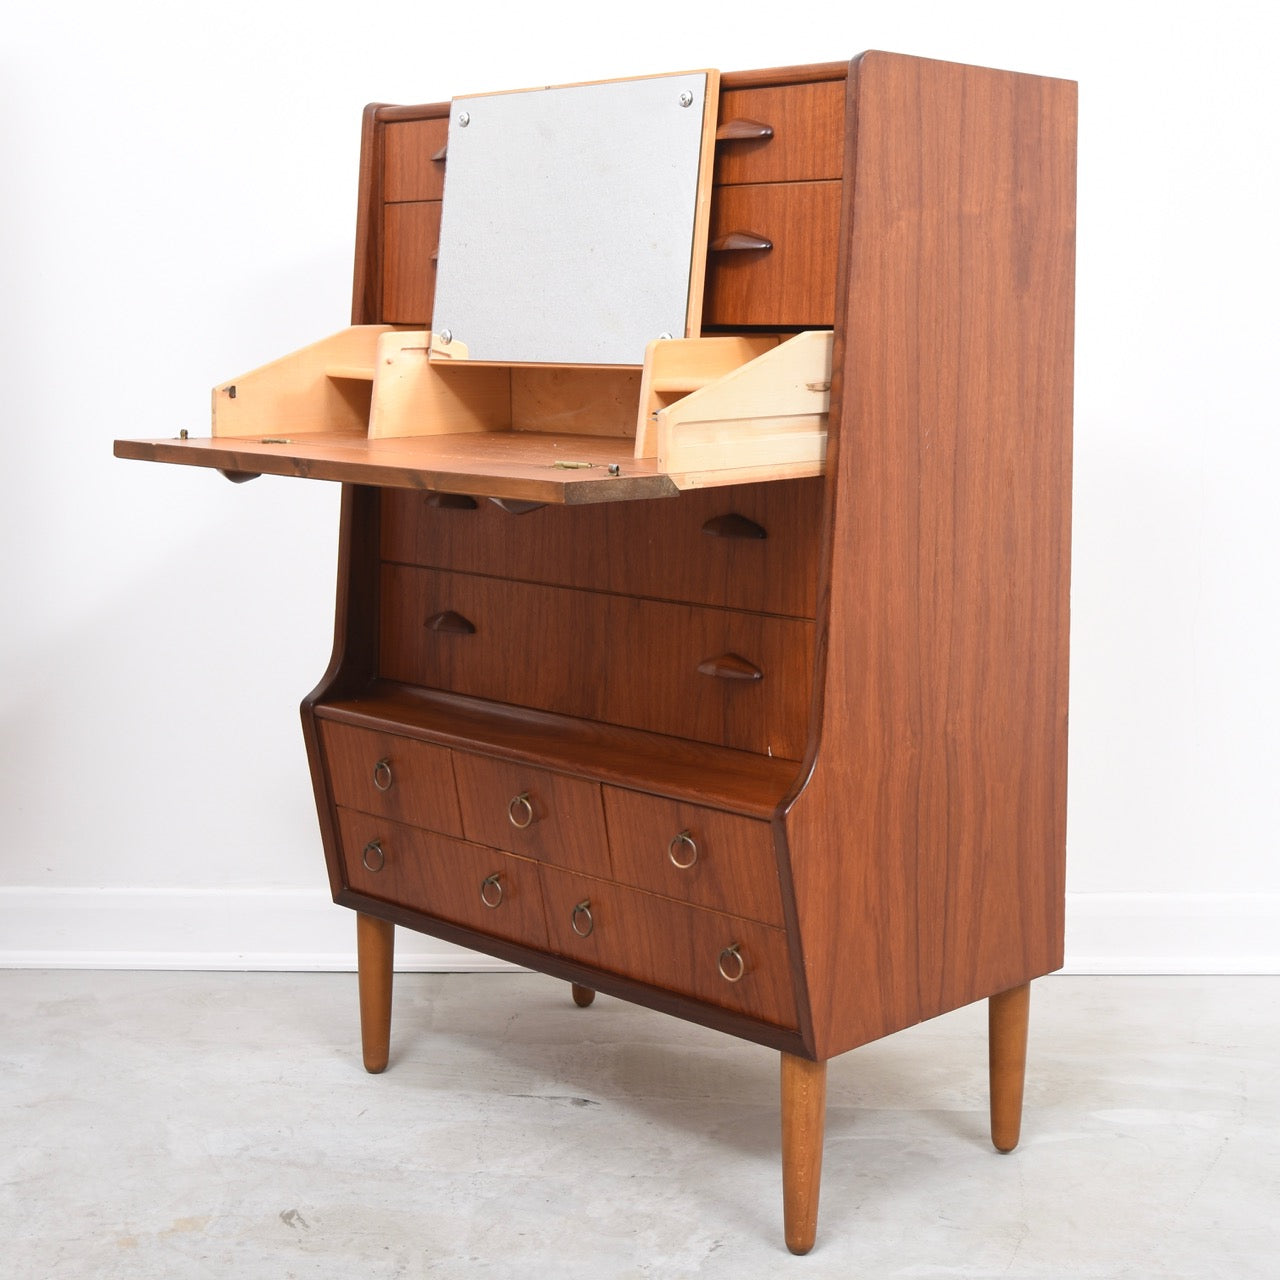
(179, 203)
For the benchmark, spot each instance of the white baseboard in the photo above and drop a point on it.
(265, 929)
(292, 929)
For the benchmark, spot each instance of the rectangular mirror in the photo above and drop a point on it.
(573, 229)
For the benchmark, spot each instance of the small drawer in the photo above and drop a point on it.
(410, 170)
(699, 855)
(465, 884)
(410, 243)
(751, 547)
(727, 961)
(791, 284)
(541, 815)
(805, 140)
(393, 777)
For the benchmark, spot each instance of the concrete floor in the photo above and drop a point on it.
(220, 1125)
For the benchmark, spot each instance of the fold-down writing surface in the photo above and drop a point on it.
(571, 228)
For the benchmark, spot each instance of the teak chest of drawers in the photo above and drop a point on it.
(761, 726)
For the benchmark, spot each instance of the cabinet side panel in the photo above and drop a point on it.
(928, 848)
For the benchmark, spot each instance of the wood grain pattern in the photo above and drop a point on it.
(415, 784)
(410, 242)
(669, 944)
(791, 285)
(375, 962)
(602, 657)
(410, 170)
(732, 865)
(366, 285)
(564, 814)
(504, 464)
(1008, 1013)
(807, 143)
(659, 550)
(738, 781)
(445, 878)
(804, 1107)
(927, 848)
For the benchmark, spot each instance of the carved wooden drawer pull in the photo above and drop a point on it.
(730, 666)
(732, 525)
(373, 857)
(683, 850)
(731, 964)
(451, 623)
(452, 501)
(517, 506)
(382, 778)
(491, 891)
(520, 811)
(580, 920)
(442, 155)
(741, 130)
(738, 241)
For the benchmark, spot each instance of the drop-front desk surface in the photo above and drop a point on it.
(786, 756)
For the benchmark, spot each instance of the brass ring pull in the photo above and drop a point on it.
(519, 809)
(382, 774)
(687, 840)
(373, 850)
(582, 912)
(491, 891)
(731, 957)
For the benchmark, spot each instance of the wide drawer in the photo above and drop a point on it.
(751, 547)
(393, 777)
(733, 963)
(541, 815)
(494, 892)
(714, 675)
(699, 855)
(807, 133)
(792, 283)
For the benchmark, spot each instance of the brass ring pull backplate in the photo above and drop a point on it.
(382, 774)
(679, 845)
(373, 857)
(582, 915)
(520, 811)
(491, 891)
(731, 964)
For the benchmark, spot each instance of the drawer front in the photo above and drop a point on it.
(791, 284)
(698, 855)
(393, 777)
(512, 642)
(752, 547)
(671, 945)
(465, 884)
(714, 675)
(409, 171)
(807, 142)
(410, 240)
(541, 815)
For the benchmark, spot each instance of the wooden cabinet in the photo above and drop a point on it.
(774, 742)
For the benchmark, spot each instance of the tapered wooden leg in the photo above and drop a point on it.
(1007, 1016)
(582, 996)
(804, 1110)
(375, 956)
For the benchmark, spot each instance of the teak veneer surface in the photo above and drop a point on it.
(927, 848)
(737, 781)
(509, 464)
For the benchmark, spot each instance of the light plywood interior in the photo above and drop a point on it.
(704, 410)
